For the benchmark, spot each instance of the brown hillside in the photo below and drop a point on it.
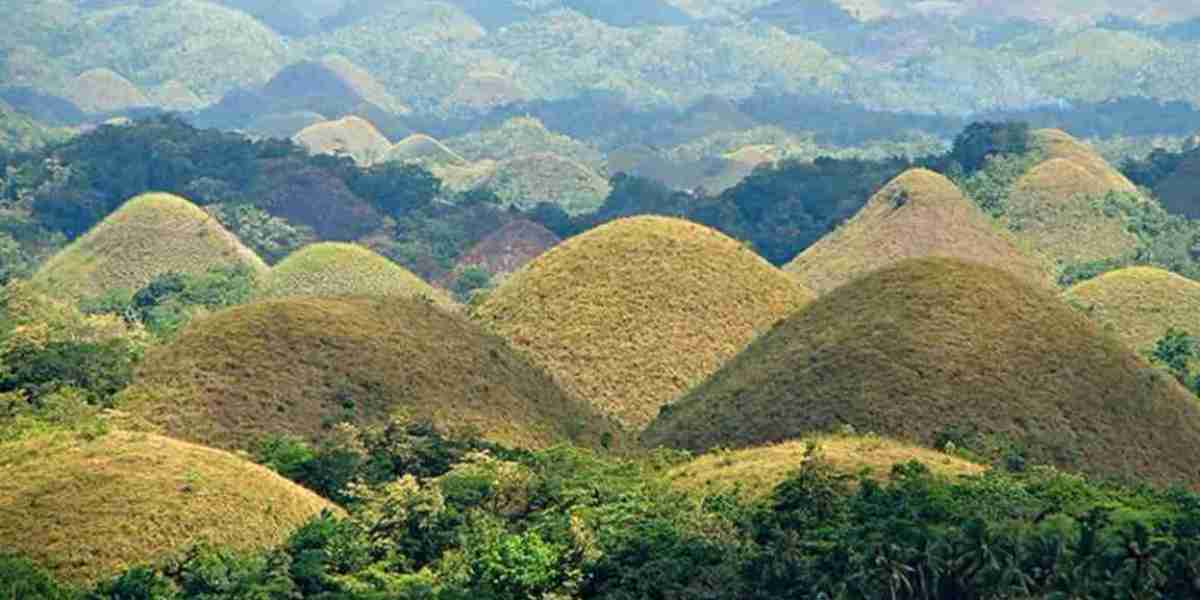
(933, 346)
(337, 269)
(89, 509)
(364, 84)
(918, 214)
(1139, 304)
(630, 314)
(351, 136)
(102, 91)
(1055, 143)
(507, 250)
(300, 365)
(481, 91)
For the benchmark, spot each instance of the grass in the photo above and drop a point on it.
(89, 508)
(507, 249)
(338, 269)
(104, 91)
(424, 149)
(484, 90)
(918, 214)
(149, 235)
(523, 136)
(632, 313)
(544, 177)
(299, 366)
(752, 473)
(938, 349)
(364, 84)
(352, 136)
(1139, 304)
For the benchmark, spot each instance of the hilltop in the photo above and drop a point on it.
(935, 350)
(339, 269)
(89, 509)
(523, 136)
(149, 235)
(630, 314)
(105, 91)
(1139, 304)
(527, 180)
(423, 149)
(918, 214)
(1055, 143)
(352, 136)
(299, 366)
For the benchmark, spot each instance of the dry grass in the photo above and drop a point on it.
(103, 91)
(506, 250)
(149, 235)
(423, 149)
(1139, 304)
(932, 345)
(918, 214)
(526, 180)
(299, 366)
(339, 269)
(364, 84)
(753, 473)
(352, 136)
(88, 509)
(632, 313)
(1055, 143)
(481, 90)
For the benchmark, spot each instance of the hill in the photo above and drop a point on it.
(337, 269)
(1055, 143)
(522, 136)
(89, 509)
(483, 90)
(283, 125)
(525, 181)
(149, 235)
(917, 214)
(104, 91)
(352, 136)
(630, 314)
(301, 365)
(754, 472)
(1139, 304)
(421, 148)
(506, 250)
(935, 350)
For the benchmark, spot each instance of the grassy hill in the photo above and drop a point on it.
(522, 136)
(754, 472)
(936, 350)
(525, 181)
(630, 314)
(149, 235)
(483, 90)
(423, 149)
(338, 269)
(103, 91)
(89, 509)
(352, 136)
(301, 365)
(283, 125)
(917, 214)
(1139, 304)
(1055, 143)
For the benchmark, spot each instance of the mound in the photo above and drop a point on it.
(364, 84)
(1052, 208)
(149, 235)
(283, 125)
(352, 136)
(298, 366)
(507, 249)
(103, 91)
(423, 149)
(630, 314)
(522, 136)
(931, 348)
(754, 472)
(1140, 304)
(1055, 143)
(335, 269)
(1178, 191)
(527, 180)
(917, 214)
(176, 96)
(481, 91)
(90, 509)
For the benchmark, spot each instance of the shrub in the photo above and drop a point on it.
(20, 579)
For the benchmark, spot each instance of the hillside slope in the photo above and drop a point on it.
(1139, 304)
(337, 269)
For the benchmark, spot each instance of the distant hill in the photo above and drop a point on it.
(523, 136)
(69, 502)
(526, 180)
(1139, 304)
(300, 365)
(917, 214)
(630, 14)
(423, 149)
(337, 269)
(20, 132)
(628, 315)
(801, 16)
(349, 136)
(937, 350)
(149, 235)
(482, 90)
(283, 125)
(1179, 192)
(104, 91)
(506, 250)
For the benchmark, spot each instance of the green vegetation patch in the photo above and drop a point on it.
(939, 350)
(630, 314)
(337, 269)
(527, 180)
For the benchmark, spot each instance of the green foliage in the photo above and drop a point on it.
(14, 261)
(98, 369)
(168, 301)
(982, 141)
(20, 579)
(470, 281)
(989, 184)
(1175, 352)
(271, 237)
(397, 189)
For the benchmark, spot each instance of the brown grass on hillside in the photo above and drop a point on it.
(103, 91)
(338, 269)
(506, 250)
(754, 472)
(352, 136)
(1055, 143)
(299, 366)
(364, 84)
(1139, 304)
(88, 509)
(149, 235)
(935, 346)
(630, 314)
(422, 148)
(918, 214)
(482, 90)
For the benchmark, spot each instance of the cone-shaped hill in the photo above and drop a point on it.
(352, 136)
(87, 510)
(299, 365)
(918, 214)
(754, 472)
(1055, 143)
(930, 347)
(339, 269)
(632, 313)
(527, 180)
(422, 148)
(149, 235)
(103, 91)
(1139, 304)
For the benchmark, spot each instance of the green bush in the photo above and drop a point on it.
(20, 579)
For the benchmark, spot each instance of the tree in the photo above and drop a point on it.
(979, 141)
(1175, 351)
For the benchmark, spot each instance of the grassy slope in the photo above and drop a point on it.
(754, 472)
(151, 234)
(102, 91)
(918, 214)
(630, 314)
(424, 149)
(353, 136)
(930, 345)
(301, 365)
(89, 509)
(522, 136)
(524, 181)
(1139, 304)
(337, 269)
